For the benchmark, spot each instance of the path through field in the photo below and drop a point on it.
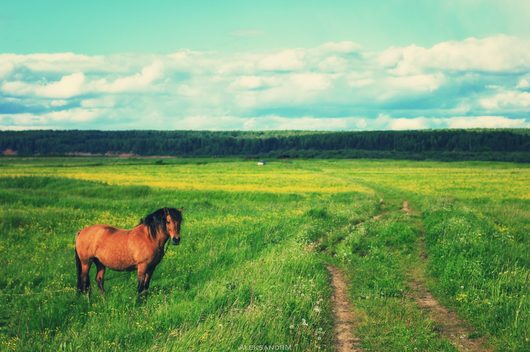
(449, 324)
(406, 207)
(344, 314)
(345, 340)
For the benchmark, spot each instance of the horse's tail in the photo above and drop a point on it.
(78, 266)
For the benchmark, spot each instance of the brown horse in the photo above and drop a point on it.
(140, 248)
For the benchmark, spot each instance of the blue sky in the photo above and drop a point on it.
(341, 65)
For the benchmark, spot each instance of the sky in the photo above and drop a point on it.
(249, 65)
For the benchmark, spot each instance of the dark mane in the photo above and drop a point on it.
(157, 219)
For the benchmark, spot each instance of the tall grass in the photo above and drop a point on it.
(240, 277)
(246, 273)
(481, 265)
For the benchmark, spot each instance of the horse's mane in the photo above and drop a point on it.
(157, 219)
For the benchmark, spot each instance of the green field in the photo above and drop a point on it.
(251, 267)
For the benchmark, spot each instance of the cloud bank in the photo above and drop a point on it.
(477, 82)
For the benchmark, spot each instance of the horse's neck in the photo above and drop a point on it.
(160, 239)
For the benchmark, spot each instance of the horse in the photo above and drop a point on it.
(140, 248)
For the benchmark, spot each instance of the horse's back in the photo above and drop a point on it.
(89, 238)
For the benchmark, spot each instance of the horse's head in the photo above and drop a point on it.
(165, 220)
(173, 222)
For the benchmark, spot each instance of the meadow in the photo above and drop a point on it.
(251, 267)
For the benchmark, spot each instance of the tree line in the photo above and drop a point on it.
(483, 144)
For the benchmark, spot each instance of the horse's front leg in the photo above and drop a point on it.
(142, 271)
(147, 278)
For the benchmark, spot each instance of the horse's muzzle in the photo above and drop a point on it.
(175, 240)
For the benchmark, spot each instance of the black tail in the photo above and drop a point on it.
(78, 266)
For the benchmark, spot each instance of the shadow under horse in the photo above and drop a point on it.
(140, 248)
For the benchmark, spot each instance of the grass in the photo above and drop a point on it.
(378, 253)
(245, 274)
(481, 266)
(240, 265)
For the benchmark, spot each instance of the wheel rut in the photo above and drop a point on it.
(449, 325)
(343, 312)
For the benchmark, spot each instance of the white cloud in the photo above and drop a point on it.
(333, 64)
(104, 102)
(344, 47)
(209, 122)
(193, 62)
(360, 79)
(58, 118)
(283, 90)
(73, 115)
(253, 82)
(68, 86)
(308, 123)
(311, 81)
(523, 83)
(187, 91)
(5, 68)
(506, 100)
(409, 124)
(58, 102)
(5, 127)
(386, 122)
(310, 88)
(287, 60)
(58, 62)
(77, 84)
(419, 83)
(131, 83)
(399, 123)
(486, 122)
(492, 54)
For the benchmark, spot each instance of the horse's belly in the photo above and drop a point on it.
(116, 260)
(122, 267)
(118, 266)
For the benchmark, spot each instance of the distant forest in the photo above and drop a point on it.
(480, 144)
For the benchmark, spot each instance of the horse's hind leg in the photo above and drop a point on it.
(85, 278)
(78, 267)
(100, 275)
